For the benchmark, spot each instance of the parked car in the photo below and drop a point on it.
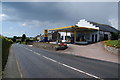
(62, 46)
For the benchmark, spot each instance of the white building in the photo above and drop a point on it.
(86, 32)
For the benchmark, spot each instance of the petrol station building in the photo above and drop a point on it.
(84, 32)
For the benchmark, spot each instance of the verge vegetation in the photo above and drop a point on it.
(6, 43)
(112, 43)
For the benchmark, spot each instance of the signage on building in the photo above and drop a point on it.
(45, 33)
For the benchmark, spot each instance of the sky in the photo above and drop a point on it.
(32, 18)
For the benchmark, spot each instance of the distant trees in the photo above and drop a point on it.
(115, 36)
(14, 38)
(23, 37)
(19, 39)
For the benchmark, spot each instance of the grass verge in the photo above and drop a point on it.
(112, 43)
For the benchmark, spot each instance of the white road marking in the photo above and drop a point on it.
(21, 75)
(30, 50)
(50, 59)
(70, 67)
(37, 53)
(80, 71)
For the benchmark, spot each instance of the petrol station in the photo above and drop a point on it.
(83, 32)
(75, 31)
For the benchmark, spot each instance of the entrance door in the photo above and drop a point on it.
(105, 37)
(92, 38)
(95, 37)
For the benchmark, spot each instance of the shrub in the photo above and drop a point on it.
(115, 36)
(6, 43)
(23, 42)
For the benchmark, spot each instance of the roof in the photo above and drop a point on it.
(71, 29)
(84, 26)
(84, 23)
(61, 28)
(104, 27)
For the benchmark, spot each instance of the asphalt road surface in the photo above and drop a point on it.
(29, 62)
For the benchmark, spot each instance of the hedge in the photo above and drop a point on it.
(6, 43)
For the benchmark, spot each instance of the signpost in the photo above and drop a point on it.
(45, 35)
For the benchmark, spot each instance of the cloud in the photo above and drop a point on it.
(3, 17)
(45, 24)
(114, 22)
(24, 24)
(42, 14)
(13, 33)
(61, 0)
(31, 14)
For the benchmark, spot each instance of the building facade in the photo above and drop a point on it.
(85, 32)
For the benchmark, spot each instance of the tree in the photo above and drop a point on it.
(23, 37)
(35, 39)
(14, 38)
(115, 36)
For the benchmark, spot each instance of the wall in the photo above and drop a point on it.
(112, 49)
(44, 45)
(109, 35)
(102, 35)
(64, 34)
(94, 33)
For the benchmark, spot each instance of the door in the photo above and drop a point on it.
(92, 38)
(105, 36)
(95, 37)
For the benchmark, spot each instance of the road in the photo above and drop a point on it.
(29, 62)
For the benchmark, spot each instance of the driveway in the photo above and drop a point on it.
(95, 51)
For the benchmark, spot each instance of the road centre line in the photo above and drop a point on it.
(37, 53)
(70, 67)
(49, 59)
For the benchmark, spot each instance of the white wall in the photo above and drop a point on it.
(109, 35)
(64, 34)
(94, 33)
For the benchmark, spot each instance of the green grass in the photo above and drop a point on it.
(113, 43)
(23, 42)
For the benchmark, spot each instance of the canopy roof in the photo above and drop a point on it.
(72, 29)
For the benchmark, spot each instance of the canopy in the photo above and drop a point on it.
(72, 29)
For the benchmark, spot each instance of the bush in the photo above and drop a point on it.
(23, 42)
(115, 36)
(6, 43)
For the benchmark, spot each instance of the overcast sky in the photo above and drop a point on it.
(33, 17)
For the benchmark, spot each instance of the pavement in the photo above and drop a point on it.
(94, 51)
(29, 62)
